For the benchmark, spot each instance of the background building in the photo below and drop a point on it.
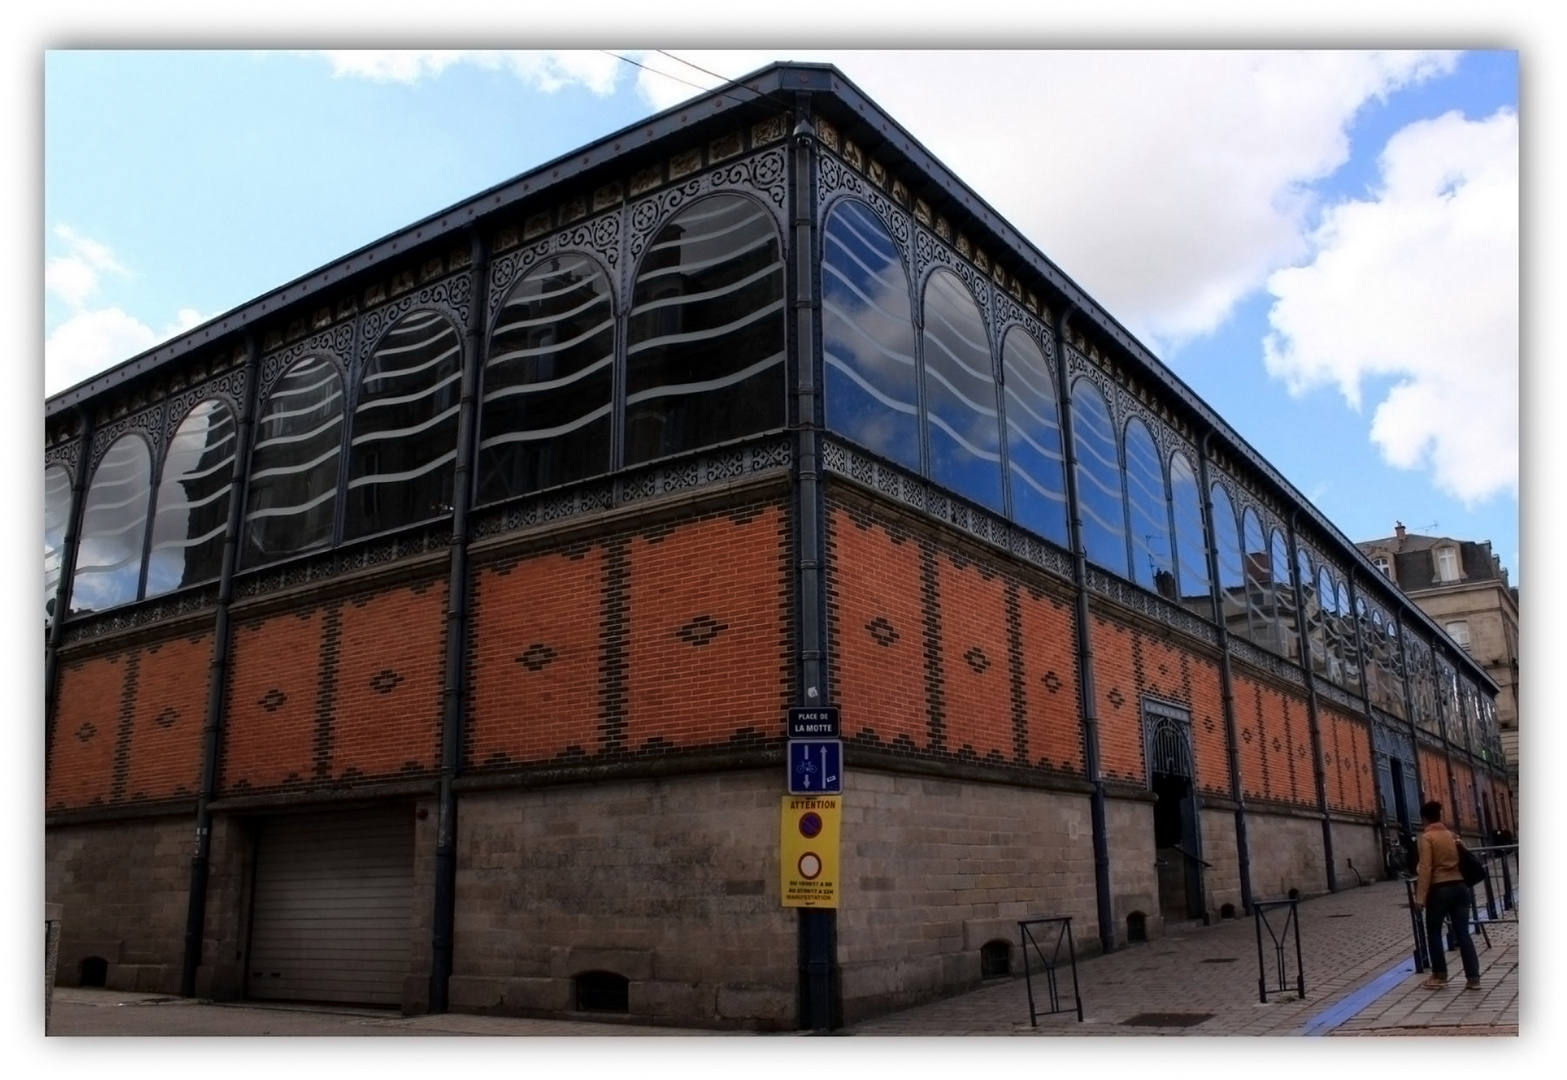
(1463, 586)
(422, 632)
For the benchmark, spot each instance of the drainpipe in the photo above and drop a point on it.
(1313, 716)
(1226, 678)
(1085, 648)
(62, 588)
(217, 677)
(454, 693)
(818, 926)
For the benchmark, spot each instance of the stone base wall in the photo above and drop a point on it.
(935, 869)
(1222, 878)
(1357, 843)
(1286, 853)
(125, 891)
(671, 884)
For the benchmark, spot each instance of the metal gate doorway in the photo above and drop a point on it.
(1177, 837)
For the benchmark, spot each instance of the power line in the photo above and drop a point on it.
(759, 98)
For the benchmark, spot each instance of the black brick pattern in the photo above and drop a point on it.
(935, 677)
(326, 690)
(1018, 682)
(127, 720)
(613, 666)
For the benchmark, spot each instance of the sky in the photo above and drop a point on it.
(1323, 244)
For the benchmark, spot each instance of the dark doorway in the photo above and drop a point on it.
(1175, 840)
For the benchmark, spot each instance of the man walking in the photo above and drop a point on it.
(1440, 889)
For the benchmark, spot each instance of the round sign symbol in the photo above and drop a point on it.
(810, 824)
(810, 865)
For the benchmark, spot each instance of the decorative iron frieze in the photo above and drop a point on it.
(931, 253)
(763, 174)
(600, 237)
(1339, 697)
(1138, 599)
(228, 387)
(91, 626)
(66, 454)
(336, 344)
(1265, 660)
(147, 421)
(698, 471)
(450, 296)
(836, 180)
(335, 562)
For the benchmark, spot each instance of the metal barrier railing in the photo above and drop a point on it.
(1280, 936)
(1497, 858)
(1050, 965)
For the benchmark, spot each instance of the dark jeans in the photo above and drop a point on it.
(1451, 899)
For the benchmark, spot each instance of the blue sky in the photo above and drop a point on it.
(1323, 245)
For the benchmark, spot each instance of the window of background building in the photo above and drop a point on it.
(1459, 632)
(1446, 564)
(1384, 564)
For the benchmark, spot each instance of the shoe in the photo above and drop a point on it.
(1472, 984)
(1434, 983)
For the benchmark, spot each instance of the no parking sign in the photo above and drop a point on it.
(808, 851)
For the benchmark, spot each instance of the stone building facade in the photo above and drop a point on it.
(1462, 585)
(422, 633)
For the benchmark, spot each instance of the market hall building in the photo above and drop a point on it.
(422, 633)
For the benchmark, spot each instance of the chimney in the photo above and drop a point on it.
(1398, 530)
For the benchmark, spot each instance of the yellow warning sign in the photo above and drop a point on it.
(808, 850)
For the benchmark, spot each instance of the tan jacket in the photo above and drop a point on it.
(1438, 861)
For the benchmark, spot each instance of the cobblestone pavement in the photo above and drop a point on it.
(1359, 979)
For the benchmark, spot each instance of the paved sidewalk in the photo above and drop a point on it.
(1359, 977)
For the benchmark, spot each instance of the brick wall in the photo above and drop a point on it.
(346, 689)
(1347, 765)
(665, 639)
(935, 653)
(128, 726)
(1275, 730)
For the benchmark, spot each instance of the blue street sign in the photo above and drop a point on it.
(815, 767)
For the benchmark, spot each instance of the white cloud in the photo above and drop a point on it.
(546, 71)
(1420, 284)
(93, 339)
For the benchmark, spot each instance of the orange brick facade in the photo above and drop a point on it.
(129, 726)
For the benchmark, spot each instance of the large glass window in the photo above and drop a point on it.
(1098, 479)
(1259, 583)
(872, 386)
(1283, 597)
(705, 359)
(292, 497)
(960, 393)
(549, 381)
(1149, 513)
(57, 516)
(404, 447)
(114, 528)
(1332, 631)
(1316, 616)
(193, 500)
(1038, 470)
(1349, 622)
(1227, 547)
(1191, 547)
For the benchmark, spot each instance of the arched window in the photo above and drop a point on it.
(292, 499)
(962, 421)
(1098, 479)
(57, 516)
(1283, 597)
(1312, 602)
(114, 528)
(548, 381)
(192, 517)
(1227, 546)
(1393, 654)
(1191, 547)
(705, 353)
(1259, 582)
(404, 446)
(1148, 509)
(872, 386)
(1349, 626)
(1038, 470)
(1332, 629)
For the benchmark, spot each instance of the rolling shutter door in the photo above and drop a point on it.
(332, 912)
